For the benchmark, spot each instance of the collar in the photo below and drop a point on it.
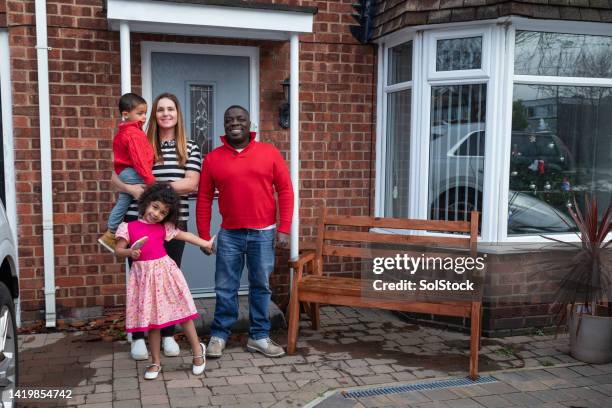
(132, 123)
(246, 148)
(169, 143)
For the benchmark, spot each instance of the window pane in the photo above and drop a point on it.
(455, 177)
(201, 116)
(459, 53)
(397, 154)
(555, 54)
(561, 147)
(400, 63)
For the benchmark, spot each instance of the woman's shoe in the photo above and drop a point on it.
(199, 369)
(151, 375)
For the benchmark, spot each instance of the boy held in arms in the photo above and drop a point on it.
(132, 161)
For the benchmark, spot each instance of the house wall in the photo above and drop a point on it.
(337, 92)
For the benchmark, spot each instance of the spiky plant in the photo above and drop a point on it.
(587, 278)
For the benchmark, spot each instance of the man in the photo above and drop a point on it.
(246, 173)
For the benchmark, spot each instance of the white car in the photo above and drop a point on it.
(9, 291)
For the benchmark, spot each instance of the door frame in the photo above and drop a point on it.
(149, 47)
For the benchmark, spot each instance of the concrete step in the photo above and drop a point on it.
(206, 308)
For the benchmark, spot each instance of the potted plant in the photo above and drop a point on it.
(583, 300)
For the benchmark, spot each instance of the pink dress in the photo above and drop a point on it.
(157, 294)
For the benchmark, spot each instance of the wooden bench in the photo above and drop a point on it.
(316, 288)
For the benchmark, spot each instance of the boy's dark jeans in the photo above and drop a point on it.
(174, 249)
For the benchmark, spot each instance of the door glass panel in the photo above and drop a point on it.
(201, 116)
(456, 151)
(459, 53)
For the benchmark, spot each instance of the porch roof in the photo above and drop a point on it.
(214, 18)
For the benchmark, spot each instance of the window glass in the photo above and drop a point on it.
(554, 54)
(400, 63)
(459, 54)
(397, 153)
(455, 182)
(561, 147)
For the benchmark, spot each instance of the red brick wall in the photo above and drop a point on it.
(337, 92)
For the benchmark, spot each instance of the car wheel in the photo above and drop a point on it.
(8, 346)
(456, 204)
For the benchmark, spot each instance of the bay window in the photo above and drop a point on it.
(514, 121)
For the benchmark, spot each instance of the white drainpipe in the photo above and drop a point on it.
(45, 160)
(126, 68)
(294, 126)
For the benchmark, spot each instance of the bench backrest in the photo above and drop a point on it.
(328, 240)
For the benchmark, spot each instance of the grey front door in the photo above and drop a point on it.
(205, 85)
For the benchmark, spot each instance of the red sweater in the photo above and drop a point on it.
(131, 148)
(246, 182)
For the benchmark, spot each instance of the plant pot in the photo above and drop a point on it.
(593, 342)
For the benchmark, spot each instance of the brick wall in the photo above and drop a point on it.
(337, 92)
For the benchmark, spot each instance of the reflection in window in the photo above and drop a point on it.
(558, 155)
(455, 181)
(400, 63)
(458, 54)
(201, 116)
(554, 54)
(397, 154)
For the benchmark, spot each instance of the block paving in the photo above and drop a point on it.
(354, 348)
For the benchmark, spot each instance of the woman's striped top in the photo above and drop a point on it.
(170, 170)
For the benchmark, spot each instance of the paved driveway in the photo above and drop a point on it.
(355, 348)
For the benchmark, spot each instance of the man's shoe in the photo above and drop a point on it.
(171, 347)
(215, 348)
(107, 240)
(139, 350)
(265, 346)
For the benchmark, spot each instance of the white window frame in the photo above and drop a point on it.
(497, 72)
(521, 24)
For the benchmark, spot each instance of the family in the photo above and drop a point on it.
(154, 172)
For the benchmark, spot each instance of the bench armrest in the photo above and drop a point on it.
(299, 263)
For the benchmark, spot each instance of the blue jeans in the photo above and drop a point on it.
(234, 248)
(128, 176)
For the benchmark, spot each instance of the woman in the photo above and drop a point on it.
(178, 162)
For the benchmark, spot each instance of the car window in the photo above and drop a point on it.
(473, 145)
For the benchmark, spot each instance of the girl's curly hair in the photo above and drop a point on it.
(164, 193)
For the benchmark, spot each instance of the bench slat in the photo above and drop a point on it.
(399, 223)
(371, 253)
(372, 237)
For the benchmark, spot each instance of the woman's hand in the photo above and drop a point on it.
(135, 190)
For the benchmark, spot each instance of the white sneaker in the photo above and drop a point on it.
(139, 350)
(171, 347)
(265, 346)
(216, 345)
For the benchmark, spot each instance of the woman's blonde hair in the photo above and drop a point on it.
(179, 131)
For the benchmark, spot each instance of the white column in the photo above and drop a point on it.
(294, 101)
(126, 68)
(45, 160)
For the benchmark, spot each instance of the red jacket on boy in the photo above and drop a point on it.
(131, 148)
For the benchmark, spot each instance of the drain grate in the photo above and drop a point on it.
(424, 386)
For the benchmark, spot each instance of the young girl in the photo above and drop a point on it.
(157, 294)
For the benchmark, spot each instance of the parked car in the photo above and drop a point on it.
(540, 161)
(9, 292)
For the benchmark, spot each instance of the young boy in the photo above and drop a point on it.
(133, 159)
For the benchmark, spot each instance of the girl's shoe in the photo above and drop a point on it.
(151, 375)
(199, 369)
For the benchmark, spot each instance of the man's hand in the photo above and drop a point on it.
(282, 240)
(210, 251)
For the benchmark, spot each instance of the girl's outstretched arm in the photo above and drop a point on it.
(194, 239)
(122, 250)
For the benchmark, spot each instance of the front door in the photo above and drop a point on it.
(205, 85)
